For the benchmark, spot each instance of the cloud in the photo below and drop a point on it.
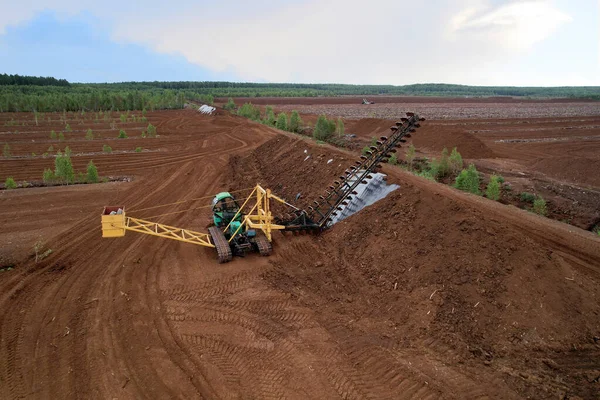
(345, 41)
(516, 25)
(398, 41)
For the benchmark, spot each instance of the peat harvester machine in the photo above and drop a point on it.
(239, 229)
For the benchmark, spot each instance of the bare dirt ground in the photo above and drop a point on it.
(434, 108)
(547, 147)
(430, 293)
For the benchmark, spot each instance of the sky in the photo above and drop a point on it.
(398, 42)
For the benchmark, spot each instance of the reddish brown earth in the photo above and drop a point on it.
(434, 108)
(430, 293)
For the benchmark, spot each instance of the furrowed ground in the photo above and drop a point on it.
(429, 293)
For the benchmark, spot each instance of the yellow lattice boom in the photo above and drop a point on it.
(115, 222)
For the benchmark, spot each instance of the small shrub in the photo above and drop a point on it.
(68, 128)
(138, 149)
(151, 130)
(248, 110)
(393, 160)
(63, 168)
(425, 174)
(539, 206)
(10, 183)
(492, 191)
(374, 141)
(68, 151)
(295, 122)
(61, 136)
(455, 161)
(92, 173)
(410, 155)
(48, 175)
(365, 150)
(468, 180)
(51, 149)
(122, 134)
(123, 118)
(89, 134)
(45, 155)
(37, 249)
(339, 128)
(107, 149)
(527, 197)
(444, 165)
(434, 169)
(143, 134)
(282, 121)
(230, 105)
(324, 128)
(52, 135)
(6, 150)
(500, 178)
(269, 116)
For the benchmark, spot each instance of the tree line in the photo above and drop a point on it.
(26, 93)
(6, 79)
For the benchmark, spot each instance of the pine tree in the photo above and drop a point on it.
(230, 106)
(92, 173)
(48, 175)
(151, 130)
(539, 206)
(63, 168)
(295, 122)
(269, 116)
(324, 128)
(410, 155)
(443, 166)
(282, 121)
(492, 191)
(456, 161)
(468, 180)
(339, 129)
(10, 183)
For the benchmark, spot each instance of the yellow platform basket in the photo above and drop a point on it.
(113, 222)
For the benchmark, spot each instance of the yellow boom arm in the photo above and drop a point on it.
(115, 223)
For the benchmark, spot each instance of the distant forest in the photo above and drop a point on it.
(44, 94)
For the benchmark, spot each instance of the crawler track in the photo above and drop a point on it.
(224, 252)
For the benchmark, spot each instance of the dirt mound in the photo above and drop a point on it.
(435, 137)
(421, 269)
(369, 127)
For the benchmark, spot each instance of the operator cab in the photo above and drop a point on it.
(225, 209)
